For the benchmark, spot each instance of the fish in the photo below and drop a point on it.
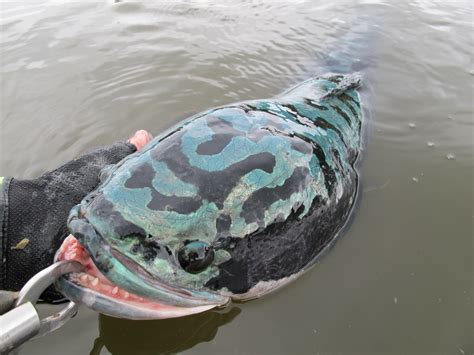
(228, 205)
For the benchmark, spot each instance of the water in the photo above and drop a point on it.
(82, 74)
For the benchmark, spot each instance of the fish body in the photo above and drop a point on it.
(230, 204)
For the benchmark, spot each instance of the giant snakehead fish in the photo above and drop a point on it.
(230, 204)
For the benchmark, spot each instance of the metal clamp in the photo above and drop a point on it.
(22, 322)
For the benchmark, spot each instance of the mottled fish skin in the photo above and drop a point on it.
(266, 183)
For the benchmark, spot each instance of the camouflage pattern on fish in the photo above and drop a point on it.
(231, 203)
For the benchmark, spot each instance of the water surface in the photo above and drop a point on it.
(76, 75)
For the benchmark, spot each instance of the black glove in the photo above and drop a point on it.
(37, 212)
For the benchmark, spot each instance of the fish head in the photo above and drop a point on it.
(141, 263)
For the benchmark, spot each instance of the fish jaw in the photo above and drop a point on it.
(95, 291)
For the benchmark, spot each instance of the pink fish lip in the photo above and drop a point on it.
(93, 289)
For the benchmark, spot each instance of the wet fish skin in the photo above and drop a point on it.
(267, 184)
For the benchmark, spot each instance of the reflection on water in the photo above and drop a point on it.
(75, 75)
(121, 336)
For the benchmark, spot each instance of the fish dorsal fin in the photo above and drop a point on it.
(323, 87)
(345, 82)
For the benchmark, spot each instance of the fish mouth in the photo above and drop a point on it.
(95, 291)
(122, 293)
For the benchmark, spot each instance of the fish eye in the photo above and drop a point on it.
(195, 256)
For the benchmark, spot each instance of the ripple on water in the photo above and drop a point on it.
(76, 75)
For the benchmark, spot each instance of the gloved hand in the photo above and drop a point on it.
(35, 217)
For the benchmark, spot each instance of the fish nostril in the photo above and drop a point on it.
(195, 256)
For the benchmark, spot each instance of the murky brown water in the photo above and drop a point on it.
(81, 74)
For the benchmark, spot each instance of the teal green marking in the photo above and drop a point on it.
(238, 119)
(168, 184)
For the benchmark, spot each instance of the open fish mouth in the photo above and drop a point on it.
(95, 291)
